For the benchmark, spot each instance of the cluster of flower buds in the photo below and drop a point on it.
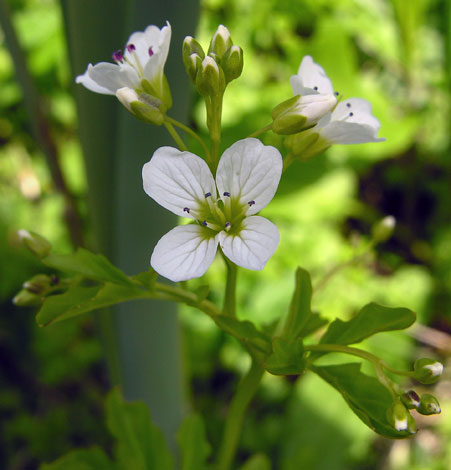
(427, 404)
(34, 290)
(36, 243)
(212, 72)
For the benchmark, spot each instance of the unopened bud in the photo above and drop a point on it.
(38, 284)
(383, 229)
(410, 399)
(220, 41)
(429, 405)
(210, 79)
(400, 418)
(26, 298)
(427, 371)
(145, 107)
(192, 66)
(35, 243)
(301, 112)
(232, 63)
(191, 46)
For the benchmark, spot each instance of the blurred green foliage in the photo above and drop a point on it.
(394, 53)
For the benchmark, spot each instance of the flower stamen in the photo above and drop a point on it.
(118, 56)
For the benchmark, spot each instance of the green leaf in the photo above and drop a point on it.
(88, 265)
(78, 300)
(85, 459)
(364, 394)
(286, 358)
(193, 443)
(257, 343)
(313, 323)
(140, 445)
(299, 311)
(257, 462)
(147, 278)
(371, 319)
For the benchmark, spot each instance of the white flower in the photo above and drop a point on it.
(140, 67)
(311, 79)
(351, 122)
(224, 212)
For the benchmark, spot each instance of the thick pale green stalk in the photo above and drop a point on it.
(235, 416)
(127, 222)
(230, 290)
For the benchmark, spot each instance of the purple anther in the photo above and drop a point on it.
(336, 93)
(204, 223)
(351, 114)
(118, 56)
(227, 194)
(186, 209)
(54, 279)
(131, 48)
(227, 224)
(315, 88)
(348, 105)
(251, 203)
(207, 195)
(151, 52)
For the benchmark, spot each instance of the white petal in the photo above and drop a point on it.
(177, 180)
(184, 253)
(250, 171)
(252, 247)
(360, 110)
(314, 107)
(346, 132)
(311, 78)
(155, 64)
(107, 78)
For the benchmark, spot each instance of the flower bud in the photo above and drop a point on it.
(301, 112)
(399, 417)
(410, 399)
(232, 63)
(35, 243)
(383, 229)
(210, 79)
(38, 284)
(191, 46)
(145, 107)
(220, 42)
(429, 405)
(192, 66)
(26, 298)
(427, 371)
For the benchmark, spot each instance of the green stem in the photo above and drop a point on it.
(175, 135)
(260, 131)
(235, 417)
(191, 133)
(230, 290)
(287, 161)
(214, 114)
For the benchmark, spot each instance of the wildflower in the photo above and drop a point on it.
(223, 211)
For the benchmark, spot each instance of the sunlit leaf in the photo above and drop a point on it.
(365, 395)
(193, 443)
(286, 358)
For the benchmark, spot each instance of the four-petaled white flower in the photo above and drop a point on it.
(139, 68)
(224, 212)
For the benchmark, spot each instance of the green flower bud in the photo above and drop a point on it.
(232, 63)
(191, 46)
(429, 405)
(305, 145)
(192, 66)
(145, 107)
(210, 79)
(38, 284)
(383, 229)
(301, 112)
(427, 371)
(220, 42)
(410, 399)
(399, 417)
(35, 243)
(26, 298)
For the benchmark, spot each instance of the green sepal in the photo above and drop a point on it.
(232, 63)
(147, 113)
(220, 42)
(89, 265)
(210, 80)
(140, 444)
(427, 371)
(191, 46)
(192, 65)
(305, 145)
(83, 459)
(286, 358)
(36, 243)
(147, 279)
(429, 405)
(258, 344)
(79, 300)
(372, 318)
(25, 298)
(193, 444)
(364, 394)
(299, 310)
(287, 119)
